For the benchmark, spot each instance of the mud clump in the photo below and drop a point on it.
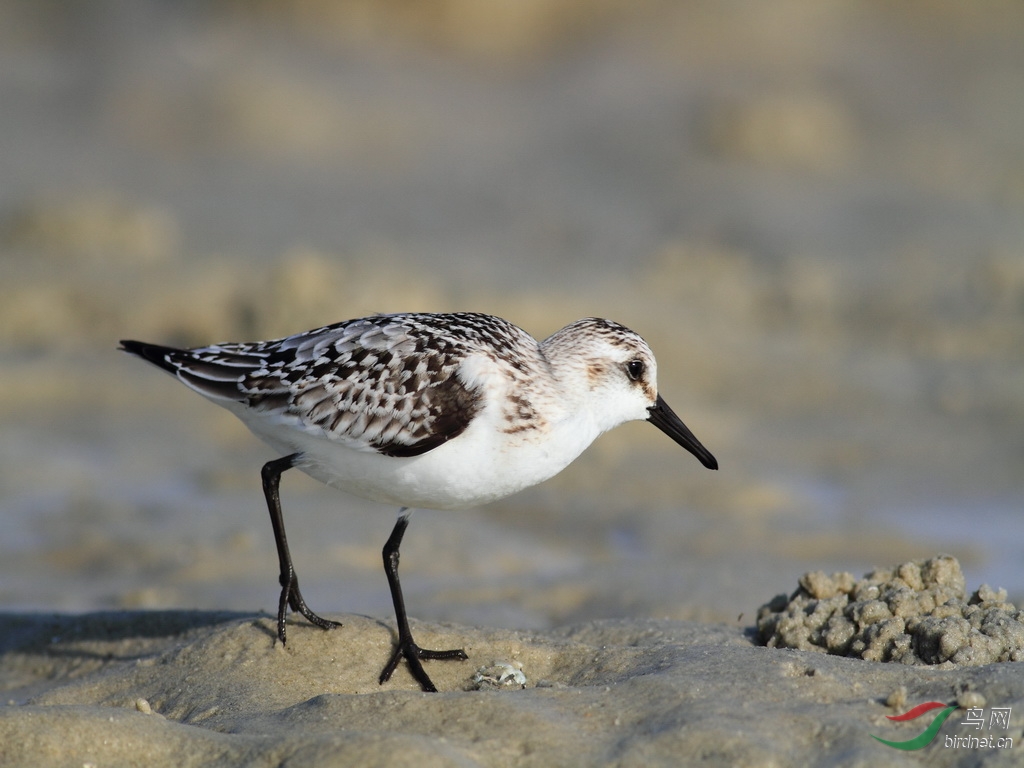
(915, 613)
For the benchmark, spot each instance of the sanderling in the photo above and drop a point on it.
(439, 411)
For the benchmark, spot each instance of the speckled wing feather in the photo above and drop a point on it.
(386, 383)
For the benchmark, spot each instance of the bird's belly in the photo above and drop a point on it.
(477, 467)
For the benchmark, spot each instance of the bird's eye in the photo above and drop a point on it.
(635, 369)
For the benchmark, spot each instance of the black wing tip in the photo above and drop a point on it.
(152, 353)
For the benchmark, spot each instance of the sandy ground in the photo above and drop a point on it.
(187, 688)
(814, 213)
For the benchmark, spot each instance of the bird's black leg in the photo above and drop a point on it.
(290, 594)
(406, 647)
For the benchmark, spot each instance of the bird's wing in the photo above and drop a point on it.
(386, 383)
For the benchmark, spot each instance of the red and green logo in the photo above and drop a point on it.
(928, 735)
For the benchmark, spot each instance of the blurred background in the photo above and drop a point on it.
(814, 212)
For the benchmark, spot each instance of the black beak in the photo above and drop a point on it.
(665, 419)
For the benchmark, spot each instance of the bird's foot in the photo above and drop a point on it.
(292, 597)
(413, 654)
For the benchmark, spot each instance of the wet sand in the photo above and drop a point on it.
(190, 688)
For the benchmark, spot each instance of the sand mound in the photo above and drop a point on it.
(915, 613)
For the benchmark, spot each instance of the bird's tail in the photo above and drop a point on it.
(213, 372)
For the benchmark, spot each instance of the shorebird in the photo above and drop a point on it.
(436, 411)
